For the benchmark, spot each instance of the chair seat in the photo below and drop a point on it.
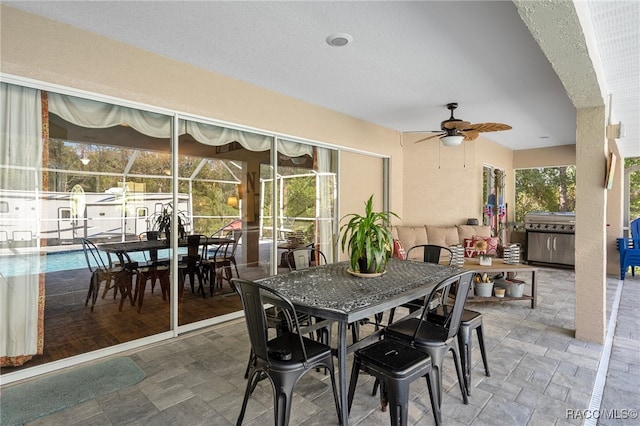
(397, 360)
(395, 365)
(289, 343)
(469, 317)
(428, 334)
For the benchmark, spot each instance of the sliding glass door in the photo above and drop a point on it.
(75, 169)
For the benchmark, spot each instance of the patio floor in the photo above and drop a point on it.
(540, 374)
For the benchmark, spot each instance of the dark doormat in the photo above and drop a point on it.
(28, 401)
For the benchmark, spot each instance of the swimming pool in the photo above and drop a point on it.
(11, 266)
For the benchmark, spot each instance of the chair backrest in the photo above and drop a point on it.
(305, 257)
(237, 234)
(456, 286)
(223, 250)
(253, 297)
(635, 229)
(193, 244)
(93, 257)
(432, 253)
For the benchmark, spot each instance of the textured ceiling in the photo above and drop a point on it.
(406, 61)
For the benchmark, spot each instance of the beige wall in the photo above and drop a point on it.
(564, 155)
(443, 185)
(41, 49)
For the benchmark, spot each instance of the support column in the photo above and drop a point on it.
(591, 248)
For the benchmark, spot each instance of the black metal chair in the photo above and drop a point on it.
(396, 365)
(190, 264)
(283, 359)
(437, 338)
(430, 254)
(218, 266)
(471, 320)
(154, 269)
(116, 277)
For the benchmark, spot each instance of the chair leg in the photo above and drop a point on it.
(464, 346)
(463, 390)
(483, 352)
(250, 363)
(255, 376)
(437, 415)
(397, 396)
(283, 393)
(355, 371)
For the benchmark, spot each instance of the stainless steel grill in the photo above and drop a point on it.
(551, 237)
(550, 222)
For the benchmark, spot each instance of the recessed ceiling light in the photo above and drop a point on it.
(339, 40)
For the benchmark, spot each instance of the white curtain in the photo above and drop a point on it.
(99, 115)
(94, 114)
(21, 148)
(326, 196)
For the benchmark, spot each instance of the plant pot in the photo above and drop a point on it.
(484, 289)
(499, 292)
(362, 266)
(484, 260)
(512, 289)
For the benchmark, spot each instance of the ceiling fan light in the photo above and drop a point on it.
(452, 140)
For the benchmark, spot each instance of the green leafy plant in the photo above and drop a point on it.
(162, 222)
(368, 238)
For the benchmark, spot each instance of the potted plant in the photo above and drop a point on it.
(368, 239)
(163, 223)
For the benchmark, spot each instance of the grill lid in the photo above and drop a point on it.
(552, 221)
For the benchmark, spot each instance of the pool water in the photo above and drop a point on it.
(52, 262)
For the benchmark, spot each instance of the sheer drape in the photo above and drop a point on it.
(93, 114)
(325, 196)
(20, 148)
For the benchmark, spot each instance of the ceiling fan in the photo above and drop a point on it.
(454, 131)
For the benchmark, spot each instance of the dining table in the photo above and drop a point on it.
(336, 294)
(121, 250)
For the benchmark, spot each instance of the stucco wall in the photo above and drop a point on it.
(41, 49)
(443, 185)
(564, 155)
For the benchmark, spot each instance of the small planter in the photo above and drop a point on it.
(484, 260)
(515, 290)
(512, 289)
(499, 292)
(484, 289)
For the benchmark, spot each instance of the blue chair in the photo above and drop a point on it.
(629, 249)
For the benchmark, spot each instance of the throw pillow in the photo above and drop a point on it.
(470, 246)
(492, 244)
(398, 250)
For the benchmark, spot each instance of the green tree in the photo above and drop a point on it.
(545, 189)
(634, 187)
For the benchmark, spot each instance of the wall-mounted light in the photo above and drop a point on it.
(232, 202)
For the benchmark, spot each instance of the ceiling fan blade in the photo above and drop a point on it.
(437, 135)
(460, 125)
(488, 127)
(470, 135)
